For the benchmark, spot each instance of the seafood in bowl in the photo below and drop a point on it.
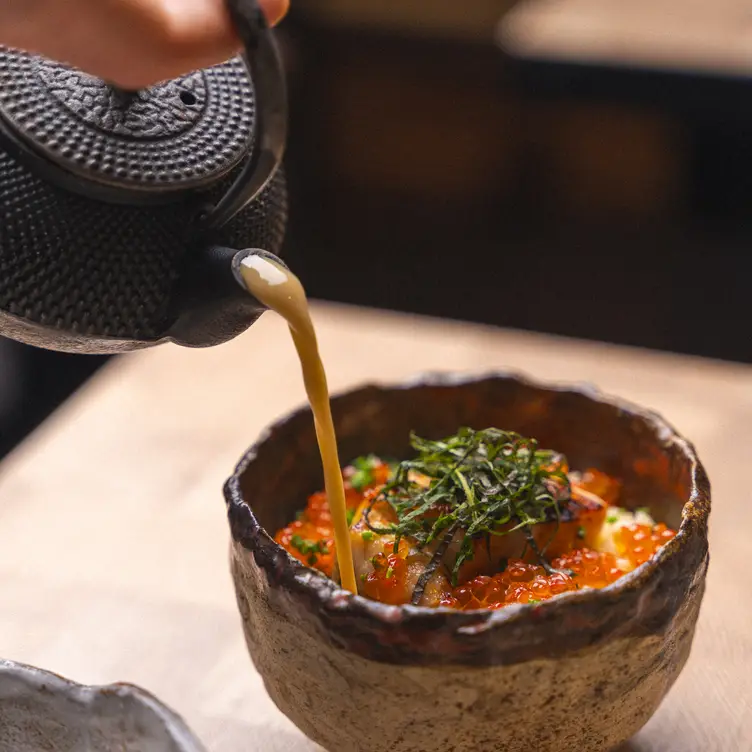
(489, 667)
(480, 519)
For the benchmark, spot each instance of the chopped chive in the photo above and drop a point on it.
(309, 548)
(363, 475)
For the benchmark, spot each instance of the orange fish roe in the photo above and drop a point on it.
(520, 582)
(310, 539)
(637, 543)
(386, 582)
(310, 543)
(590, 568)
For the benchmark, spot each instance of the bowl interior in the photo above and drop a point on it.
(627, 443)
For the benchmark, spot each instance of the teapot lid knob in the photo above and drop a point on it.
(181, 134)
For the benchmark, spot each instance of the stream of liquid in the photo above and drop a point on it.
(280, 290)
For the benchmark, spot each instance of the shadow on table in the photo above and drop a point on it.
(631, 746)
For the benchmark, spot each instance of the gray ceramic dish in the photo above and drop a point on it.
(42, 712)
(583, 671)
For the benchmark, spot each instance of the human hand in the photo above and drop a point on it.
(131, 43)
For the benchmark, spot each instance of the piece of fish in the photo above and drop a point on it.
(392, 577)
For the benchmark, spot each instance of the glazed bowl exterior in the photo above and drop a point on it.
(41, 711)
(582, 672)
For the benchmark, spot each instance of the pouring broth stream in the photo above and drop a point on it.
(281, 291)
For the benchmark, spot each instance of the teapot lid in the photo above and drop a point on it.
(181, 134)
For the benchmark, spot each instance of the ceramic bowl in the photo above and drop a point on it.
(583, 671)
(42, 712)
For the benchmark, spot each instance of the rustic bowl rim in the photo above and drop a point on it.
(48, 683)
(328, 595)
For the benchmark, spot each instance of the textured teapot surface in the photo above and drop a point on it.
(101, 192)
(181, 134)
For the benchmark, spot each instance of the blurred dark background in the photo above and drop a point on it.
(432, 172)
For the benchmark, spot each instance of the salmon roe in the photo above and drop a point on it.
(386, 582)
(522, 582)
(637, 543)
(310, 538)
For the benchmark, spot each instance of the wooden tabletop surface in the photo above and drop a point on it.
(113, 538)
(712, 36)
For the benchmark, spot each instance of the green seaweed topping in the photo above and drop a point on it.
(481, 483)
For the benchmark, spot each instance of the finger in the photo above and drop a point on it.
(135, 43)
(275, 10)
(191, 34)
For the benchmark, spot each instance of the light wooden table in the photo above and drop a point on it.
(113, 539)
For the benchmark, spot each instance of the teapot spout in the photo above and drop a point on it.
(212, 304)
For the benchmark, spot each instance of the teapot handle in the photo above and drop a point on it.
(263, 59)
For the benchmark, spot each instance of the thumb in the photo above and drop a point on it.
(132, 43)
(187, 35)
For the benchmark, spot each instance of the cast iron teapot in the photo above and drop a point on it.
(122, 213)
